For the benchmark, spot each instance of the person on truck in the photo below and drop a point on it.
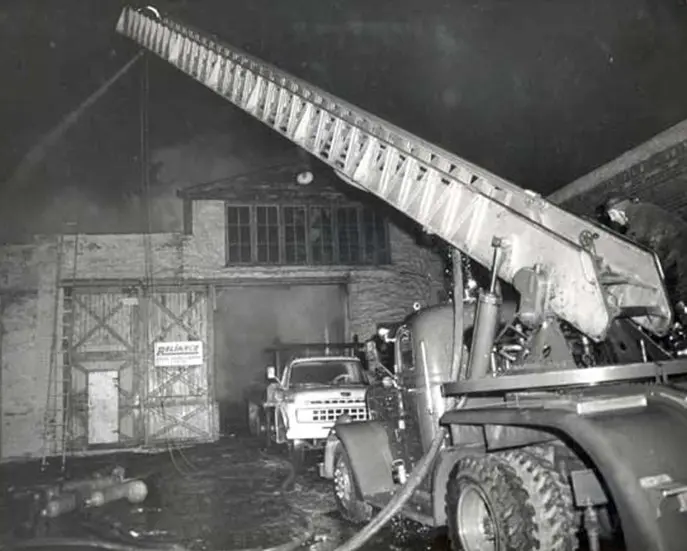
(654, 227)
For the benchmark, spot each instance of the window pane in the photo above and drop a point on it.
(347, 228)
(321, 235)
(295, 251)
(238, 235)
(374, 238)
(268, 235)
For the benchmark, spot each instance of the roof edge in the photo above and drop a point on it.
(660, 142)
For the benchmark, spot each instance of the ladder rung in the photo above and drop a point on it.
(450, 197)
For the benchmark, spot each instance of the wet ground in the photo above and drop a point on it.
(225, 496)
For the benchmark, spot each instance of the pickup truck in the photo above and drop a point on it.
(299, 407)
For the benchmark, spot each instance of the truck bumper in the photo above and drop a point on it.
(309, 431)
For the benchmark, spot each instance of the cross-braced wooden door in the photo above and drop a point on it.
(102, 379)
(180, 402)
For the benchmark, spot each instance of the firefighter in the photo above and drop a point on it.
(651, 226)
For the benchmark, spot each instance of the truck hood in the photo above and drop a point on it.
(324, 395)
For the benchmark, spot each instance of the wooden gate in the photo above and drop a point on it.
(102, 359)
(115, 395)
(180, 401)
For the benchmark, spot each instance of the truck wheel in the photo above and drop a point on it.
(351, 507)
(550, 496)
(486, 507)
(255, 422)
(270, 434)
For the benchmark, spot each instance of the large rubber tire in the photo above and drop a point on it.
(269, 436)
(486, 507)
(256, 422)
(550, 495)
(351, 507)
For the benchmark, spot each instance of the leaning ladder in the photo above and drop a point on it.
(594, 275)
(53, 424)
(56, 428)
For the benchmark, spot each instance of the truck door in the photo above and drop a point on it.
(406, 375)
(388, 405)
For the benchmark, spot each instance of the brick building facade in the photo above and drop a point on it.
(261, 258)
(655, 172)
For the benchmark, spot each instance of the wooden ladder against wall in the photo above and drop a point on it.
(56, 423)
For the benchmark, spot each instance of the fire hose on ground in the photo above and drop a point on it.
(391, 509)
(356, 542)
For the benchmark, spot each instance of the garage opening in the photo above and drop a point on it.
(249, 320)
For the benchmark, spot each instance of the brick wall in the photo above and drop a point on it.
(661, 179)
(27, 290)
(375, 294)
(655, 172)
(27, 300)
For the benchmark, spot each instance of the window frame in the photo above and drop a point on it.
(254, 235)
(251, 228)
(382, 257)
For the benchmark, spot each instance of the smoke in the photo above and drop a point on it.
(90, 206)
(539, 93)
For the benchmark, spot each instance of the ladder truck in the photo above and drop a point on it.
(516, 425)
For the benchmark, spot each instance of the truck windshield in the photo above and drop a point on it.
(325, 373)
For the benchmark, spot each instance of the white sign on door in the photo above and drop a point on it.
(170, 354)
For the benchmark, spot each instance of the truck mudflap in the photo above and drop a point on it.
(368, 448)
(641, 454)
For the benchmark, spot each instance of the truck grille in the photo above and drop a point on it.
(329, 415)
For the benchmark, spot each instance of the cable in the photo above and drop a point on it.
(149, 274)
(40, 150)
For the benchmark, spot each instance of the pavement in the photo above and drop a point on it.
(223, 496)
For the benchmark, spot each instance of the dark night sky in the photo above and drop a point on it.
(537, 91)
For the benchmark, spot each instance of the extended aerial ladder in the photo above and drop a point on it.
(566, 269)
(581, 273)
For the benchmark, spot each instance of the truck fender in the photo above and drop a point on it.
(639, 453)
(369, 451)
(442, 470)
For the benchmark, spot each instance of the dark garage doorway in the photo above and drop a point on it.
(250, 319)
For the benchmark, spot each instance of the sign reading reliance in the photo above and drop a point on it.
(169, 354)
